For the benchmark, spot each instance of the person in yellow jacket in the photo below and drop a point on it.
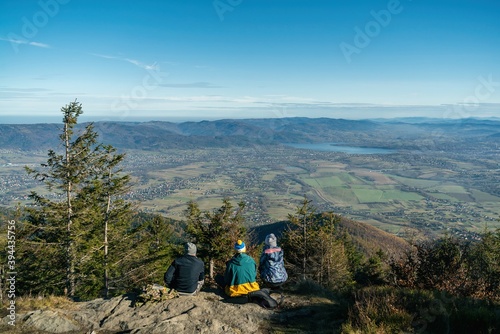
(241, 273)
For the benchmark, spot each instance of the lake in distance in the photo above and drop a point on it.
(333, 147)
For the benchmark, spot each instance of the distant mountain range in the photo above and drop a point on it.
(241, 132)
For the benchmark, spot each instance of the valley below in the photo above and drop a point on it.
(408, 182)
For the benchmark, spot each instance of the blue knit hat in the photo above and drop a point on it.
(240, 246)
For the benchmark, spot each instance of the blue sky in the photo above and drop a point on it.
(211, 59)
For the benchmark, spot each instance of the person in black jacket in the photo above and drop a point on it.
(186, 273)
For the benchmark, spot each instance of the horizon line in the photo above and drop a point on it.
(4, 120)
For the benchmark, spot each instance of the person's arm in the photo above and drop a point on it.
(227, 274)
(169, 274)
(261, 261)
(201, 277)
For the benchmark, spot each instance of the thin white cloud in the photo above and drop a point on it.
(40, 45)
(191, 85)
(103, 56)
(25, 42)
(5, 89)
(152, 67)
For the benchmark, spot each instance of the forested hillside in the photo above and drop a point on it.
(154, 135)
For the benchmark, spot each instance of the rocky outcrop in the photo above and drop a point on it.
(49, 321)
(205, 313)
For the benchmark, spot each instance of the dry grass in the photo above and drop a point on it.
(376, 310)
(30, 303)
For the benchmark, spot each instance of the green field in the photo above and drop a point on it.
(343, 193)
(448, 189)
(480, 196)
(419, 183)
(369, 195)
(326, 181)
(401, 195)
(272, 187)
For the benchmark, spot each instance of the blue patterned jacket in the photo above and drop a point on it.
(272, 266)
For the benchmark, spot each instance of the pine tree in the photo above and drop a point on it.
(108, 219)
(330, 257)
(314, 249)
(298, 237)
(74, 227)
(483, 266)
(151, 250)
(215, 232)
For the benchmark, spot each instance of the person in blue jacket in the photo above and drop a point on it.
(272, 266)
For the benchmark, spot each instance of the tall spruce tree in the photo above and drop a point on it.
(299, 236)
(72, 223)
(314, 250)
(330, 260)
(108, 220)
(215, 232)
(149, 252)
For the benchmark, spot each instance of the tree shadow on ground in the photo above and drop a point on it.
(308, 309)
(219, 292)
(317, 318)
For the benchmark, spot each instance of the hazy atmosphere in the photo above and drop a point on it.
(194, 60)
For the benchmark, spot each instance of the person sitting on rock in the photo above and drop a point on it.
(186, 274)
(271, 265)
(240, 276)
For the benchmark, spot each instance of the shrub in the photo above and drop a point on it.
(459, 267)
(396, 310)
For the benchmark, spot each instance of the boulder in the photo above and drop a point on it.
(49, 321)
(205, 313)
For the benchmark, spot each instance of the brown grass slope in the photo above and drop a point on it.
(370, 239)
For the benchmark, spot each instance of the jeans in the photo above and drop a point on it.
(198, 288)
